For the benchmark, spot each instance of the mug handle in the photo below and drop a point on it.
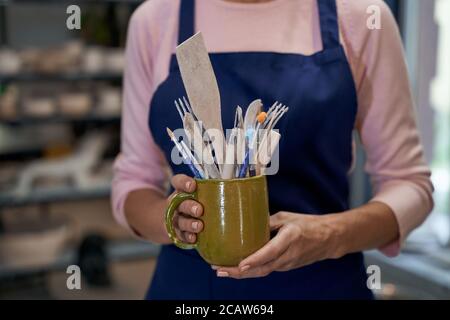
(176, 200)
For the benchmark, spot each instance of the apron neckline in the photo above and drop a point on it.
(329, 27)
(321, 57)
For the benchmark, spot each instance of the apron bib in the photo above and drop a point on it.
(315, 155)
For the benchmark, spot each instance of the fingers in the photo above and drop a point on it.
(191, 208)
(187, 237)
(267, 259)
(183, 221)
(186, 228)
(281, 263)
(271, 251)
(187, 224)
(182, 182)
(248, 272)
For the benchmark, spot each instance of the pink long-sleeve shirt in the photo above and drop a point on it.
(385, 116)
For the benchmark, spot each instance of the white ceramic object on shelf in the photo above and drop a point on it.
(8, 102)
(92, 60)
(109, 102)
(39, 106)
(75, 104)
(114, 60)
(77, 167)
(10, 62)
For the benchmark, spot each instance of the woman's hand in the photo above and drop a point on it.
(301, 240)
(184, 221)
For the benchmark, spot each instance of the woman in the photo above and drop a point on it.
(336, 75)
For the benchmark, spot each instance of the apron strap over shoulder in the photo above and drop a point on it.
(187, 20)
(329, 27)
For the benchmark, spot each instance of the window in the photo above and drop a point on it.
(427, 41)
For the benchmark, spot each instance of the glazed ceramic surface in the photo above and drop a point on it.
(236, 219)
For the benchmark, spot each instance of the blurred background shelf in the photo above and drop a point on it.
(92, 119)
(76, 76)
(61, 194)
(59, 89)
(116, 251)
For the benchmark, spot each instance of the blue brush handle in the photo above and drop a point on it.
(194, 170)
(244, 166)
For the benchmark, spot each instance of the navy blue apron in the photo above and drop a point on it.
(315, 156)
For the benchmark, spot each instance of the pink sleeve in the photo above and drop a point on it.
(386, 120)
(141, 163)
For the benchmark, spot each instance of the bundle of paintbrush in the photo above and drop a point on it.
(247, 150)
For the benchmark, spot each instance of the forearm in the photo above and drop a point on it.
(367, 227)
(144, 210)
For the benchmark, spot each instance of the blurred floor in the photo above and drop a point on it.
(130, 278)
(130, 281)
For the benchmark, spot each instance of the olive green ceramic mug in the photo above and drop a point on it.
(235, 219)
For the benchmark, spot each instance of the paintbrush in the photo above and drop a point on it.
(186, 158)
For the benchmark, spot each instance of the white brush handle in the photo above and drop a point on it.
(230, 158)
(267, 148)
(202, 151)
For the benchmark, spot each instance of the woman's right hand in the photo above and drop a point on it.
(185, 219)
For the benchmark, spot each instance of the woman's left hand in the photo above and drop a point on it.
(301, 240)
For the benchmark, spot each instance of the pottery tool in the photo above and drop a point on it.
(202, 151)
(261, 117)
(193, 134)
(273, 115)
(192, 159)
(240, 149)
(266, 151)
(201, 87)
(230, 155)
(250, 115)
(245, 159)
(238, 119)
(186, 109)
(276, 116)
(194, 130)
(240, 140)
(186, 158)
(253, 110)
(267, 148)
(249, 148)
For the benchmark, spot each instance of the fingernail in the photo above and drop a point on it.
(244, 268)
(195, 225)
(188, 185)
(214, 267)
(194, 210)
(191, 237)
(222, 274)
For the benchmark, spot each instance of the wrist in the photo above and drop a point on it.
(337, 230)
(145, 212)
(163, 233)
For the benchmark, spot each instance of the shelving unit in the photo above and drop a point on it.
(54, 196)
(75, 76)
(90, 118)
(43, 198)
